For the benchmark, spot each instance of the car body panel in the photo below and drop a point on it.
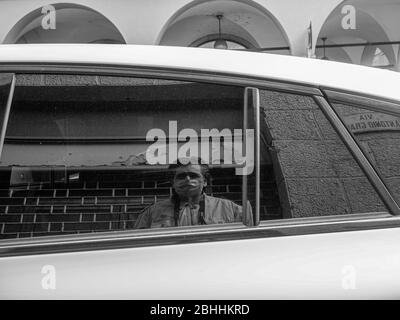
(342, 76)
(362, 264)
(350, 264)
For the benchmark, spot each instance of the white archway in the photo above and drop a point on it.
(374, 23)
(247, 22)
(73, 24)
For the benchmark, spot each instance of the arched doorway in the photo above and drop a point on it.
(361, 32)
(72, 24)
(243, 25)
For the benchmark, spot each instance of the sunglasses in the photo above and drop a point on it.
(191, 175)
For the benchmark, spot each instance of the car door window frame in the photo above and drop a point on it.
(193, 234)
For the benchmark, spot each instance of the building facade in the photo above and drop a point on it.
(352, 31)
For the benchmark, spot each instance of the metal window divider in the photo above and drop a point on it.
(257, 155)
(255, 95)
(6, 114)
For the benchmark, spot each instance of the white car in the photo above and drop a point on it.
(87, 136)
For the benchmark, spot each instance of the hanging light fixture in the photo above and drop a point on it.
(220, 43)
(323, 41)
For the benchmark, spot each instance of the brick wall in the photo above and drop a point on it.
(105, 201)
(99, 201)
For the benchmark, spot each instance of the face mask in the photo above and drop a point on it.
(188, 183)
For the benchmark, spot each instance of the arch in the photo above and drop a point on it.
(245, 19)
(370, 54)
(374, 23)
(74, 23)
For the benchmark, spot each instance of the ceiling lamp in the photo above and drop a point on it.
(220, 43)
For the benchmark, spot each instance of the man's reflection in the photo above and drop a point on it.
(189, 204)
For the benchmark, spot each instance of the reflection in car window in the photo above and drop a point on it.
(315, 173)
(190, 204)
(6, 84)
(93, 153)
(378, 135)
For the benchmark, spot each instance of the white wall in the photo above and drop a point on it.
(144, 22)
(148, 21)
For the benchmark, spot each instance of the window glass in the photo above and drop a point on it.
(315, 173)
(93, 153)
(378, 134)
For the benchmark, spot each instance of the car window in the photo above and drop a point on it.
(94, 153)
(315, 173)
(6, 86)
(378, 134)
(97, 153)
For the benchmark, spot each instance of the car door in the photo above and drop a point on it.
(78, 172)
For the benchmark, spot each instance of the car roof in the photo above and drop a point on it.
(315, 72)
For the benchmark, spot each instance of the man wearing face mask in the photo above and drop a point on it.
(189, 204)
